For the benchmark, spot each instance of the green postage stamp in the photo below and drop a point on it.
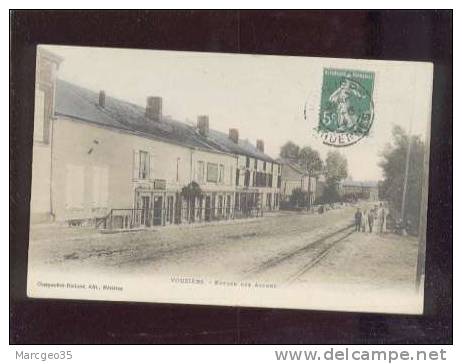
(346, 112)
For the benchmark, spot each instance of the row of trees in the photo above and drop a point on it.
(334, 169)
(404, 150)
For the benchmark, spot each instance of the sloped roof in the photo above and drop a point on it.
(82, 104)
(292, 164)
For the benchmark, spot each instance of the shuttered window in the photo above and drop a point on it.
(212, 172)
(221, 175)
(200, 172)
(100, 186)
(75, 186)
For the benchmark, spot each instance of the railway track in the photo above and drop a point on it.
(287, 267)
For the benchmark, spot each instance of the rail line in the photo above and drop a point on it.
(314, 252)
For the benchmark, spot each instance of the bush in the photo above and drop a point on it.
(299, 198)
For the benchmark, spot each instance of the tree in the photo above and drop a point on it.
(336, 168)
(330, 194)
(298, 197)
(311, 162)
(190, 192)
(290, 150)
(393, 164)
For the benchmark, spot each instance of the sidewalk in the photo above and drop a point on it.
(370, 259)
(63, 232)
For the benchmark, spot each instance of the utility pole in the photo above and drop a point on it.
(406, 176)
(406, 171)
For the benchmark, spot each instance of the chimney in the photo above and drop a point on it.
(203, 124)
(154, 108)
(102, 99)
(261, 145)
(234, 135)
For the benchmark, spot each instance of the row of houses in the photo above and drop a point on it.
(96, 157)
(104, 160)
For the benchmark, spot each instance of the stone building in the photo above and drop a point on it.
(103, 159)
(293, 176)
(361, 189)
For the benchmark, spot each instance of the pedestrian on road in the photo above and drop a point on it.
(370, 219)
(358, 217)
(363, 221)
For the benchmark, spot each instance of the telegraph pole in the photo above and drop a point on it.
(406, 176)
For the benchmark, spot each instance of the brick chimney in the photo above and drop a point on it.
(203, 124)
(154, 108)
(102, 99)
(234, 135)
(261, 145)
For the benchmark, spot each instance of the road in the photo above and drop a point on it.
(283, 248)
(230, 249)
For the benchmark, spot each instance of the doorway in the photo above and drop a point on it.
(157, 220)
(145, 204)
(169, 215)
(207, 208)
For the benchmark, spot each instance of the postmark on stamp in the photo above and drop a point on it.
(346, 112)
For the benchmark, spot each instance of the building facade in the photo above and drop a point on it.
(108, 159)
(364, 190)
(293, 177)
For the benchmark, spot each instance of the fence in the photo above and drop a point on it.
(126, 219)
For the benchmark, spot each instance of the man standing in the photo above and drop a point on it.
(370, 219)
(381, 219)
(358, 216)
(363, 220)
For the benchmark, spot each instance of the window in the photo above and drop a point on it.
(237, 176)
(200, 172)
(255, 165)
(264, 166)
(75, 186)
(221, 175)
(231, 168)
(39, 116)
(100, 186)
(212, 172)
(247, 178)
(144, 165)
(247, 162)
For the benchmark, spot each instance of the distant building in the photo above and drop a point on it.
(294, 177)
(362, 189)
(97, 157)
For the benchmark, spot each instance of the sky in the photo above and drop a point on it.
(262, 96)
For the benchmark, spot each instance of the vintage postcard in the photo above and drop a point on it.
(226, 179)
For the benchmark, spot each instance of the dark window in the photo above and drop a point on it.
(255, 164)
(247, 162)
(237, 177)
(264, 166)
(279, 181)
(247, 179)
(144, 165)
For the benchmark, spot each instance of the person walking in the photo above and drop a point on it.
(370, 219)
(358, 216)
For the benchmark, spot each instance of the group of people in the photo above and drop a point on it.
(372, 219)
